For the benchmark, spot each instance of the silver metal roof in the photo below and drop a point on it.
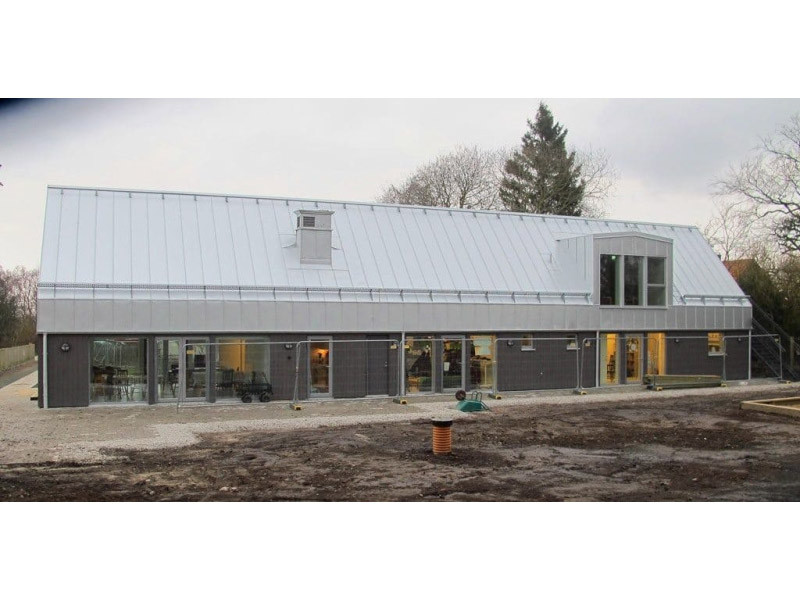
(153, 245)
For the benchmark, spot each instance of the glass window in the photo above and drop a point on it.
(656, 353)
(656, 281)
(527, 342)
(167, 365)
(119, 370)
(452, 368)
(608, 356)
(609, 266)
(656, 296)
(419, 367)
(240, 363)
(633, 358)
(196, 369)
(481, 358)
(634, 276)
(320, 366)
(655, 270)
(714, 342)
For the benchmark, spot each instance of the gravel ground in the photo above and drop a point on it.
(32, 435)
(628, 447)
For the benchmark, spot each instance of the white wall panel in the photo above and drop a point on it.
(84, 315)
(103, 315)
(178, 315)
(122, 315)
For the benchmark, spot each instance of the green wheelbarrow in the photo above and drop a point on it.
(474, 403)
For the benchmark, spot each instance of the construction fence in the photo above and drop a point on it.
(297, 369)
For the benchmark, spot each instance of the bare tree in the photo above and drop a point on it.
(19, 284)
(734, 233)
(470, 177)
(768, 183)
(465, 178)
(23, 287)
(599, 178)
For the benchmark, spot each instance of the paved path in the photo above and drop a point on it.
(29, 434)
(14, 373)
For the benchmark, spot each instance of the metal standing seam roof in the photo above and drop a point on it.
(161, 241)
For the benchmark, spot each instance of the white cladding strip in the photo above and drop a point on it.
(66, 315)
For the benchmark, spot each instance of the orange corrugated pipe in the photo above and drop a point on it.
(442, 436)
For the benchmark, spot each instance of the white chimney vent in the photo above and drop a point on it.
(314, 236)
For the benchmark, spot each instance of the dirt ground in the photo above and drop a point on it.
(664, 449)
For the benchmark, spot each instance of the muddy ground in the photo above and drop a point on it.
(686, 449)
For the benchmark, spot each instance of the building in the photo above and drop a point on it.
(155, 296)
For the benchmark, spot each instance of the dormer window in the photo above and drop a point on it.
(633, 280)
(609, 274)
(656, 281)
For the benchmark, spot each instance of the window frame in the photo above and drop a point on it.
(720, 346)
(526, 342)
(643, 280)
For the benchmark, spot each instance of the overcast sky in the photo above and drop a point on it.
(666, 151)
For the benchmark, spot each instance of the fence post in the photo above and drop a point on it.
(494, 393)
(401, 372)
(295, 404)
(724, 358)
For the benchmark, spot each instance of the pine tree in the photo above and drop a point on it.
(543, 177)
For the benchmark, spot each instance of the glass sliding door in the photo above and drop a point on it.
(168, 368)
(481, 362)
(633, 358)
(418, 364)
(319, 367)
(656, 354)
(240, 361)
(176, 356)
(118, 370)
(196, 368)
(452, 363)
(609, 363)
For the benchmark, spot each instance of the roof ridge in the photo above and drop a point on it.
(371, 204)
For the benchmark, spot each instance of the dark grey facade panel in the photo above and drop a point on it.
(687, 354)
(549, 364)
(283, 364)
(349, 364)
(68, 371)
(370, 367)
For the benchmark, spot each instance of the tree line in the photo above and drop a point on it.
(18, 306)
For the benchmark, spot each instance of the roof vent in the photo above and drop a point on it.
(314, 236)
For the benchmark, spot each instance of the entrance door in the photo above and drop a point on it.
(609, 361)
(656, 354)
(481, 362)
(319, 367)
(452, 363)
(633, 358)
(181, 365)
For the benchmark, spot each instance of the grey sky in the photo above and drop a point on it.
(667, 151)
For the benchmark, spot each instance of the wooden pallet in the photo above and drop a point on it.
(669, 382)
